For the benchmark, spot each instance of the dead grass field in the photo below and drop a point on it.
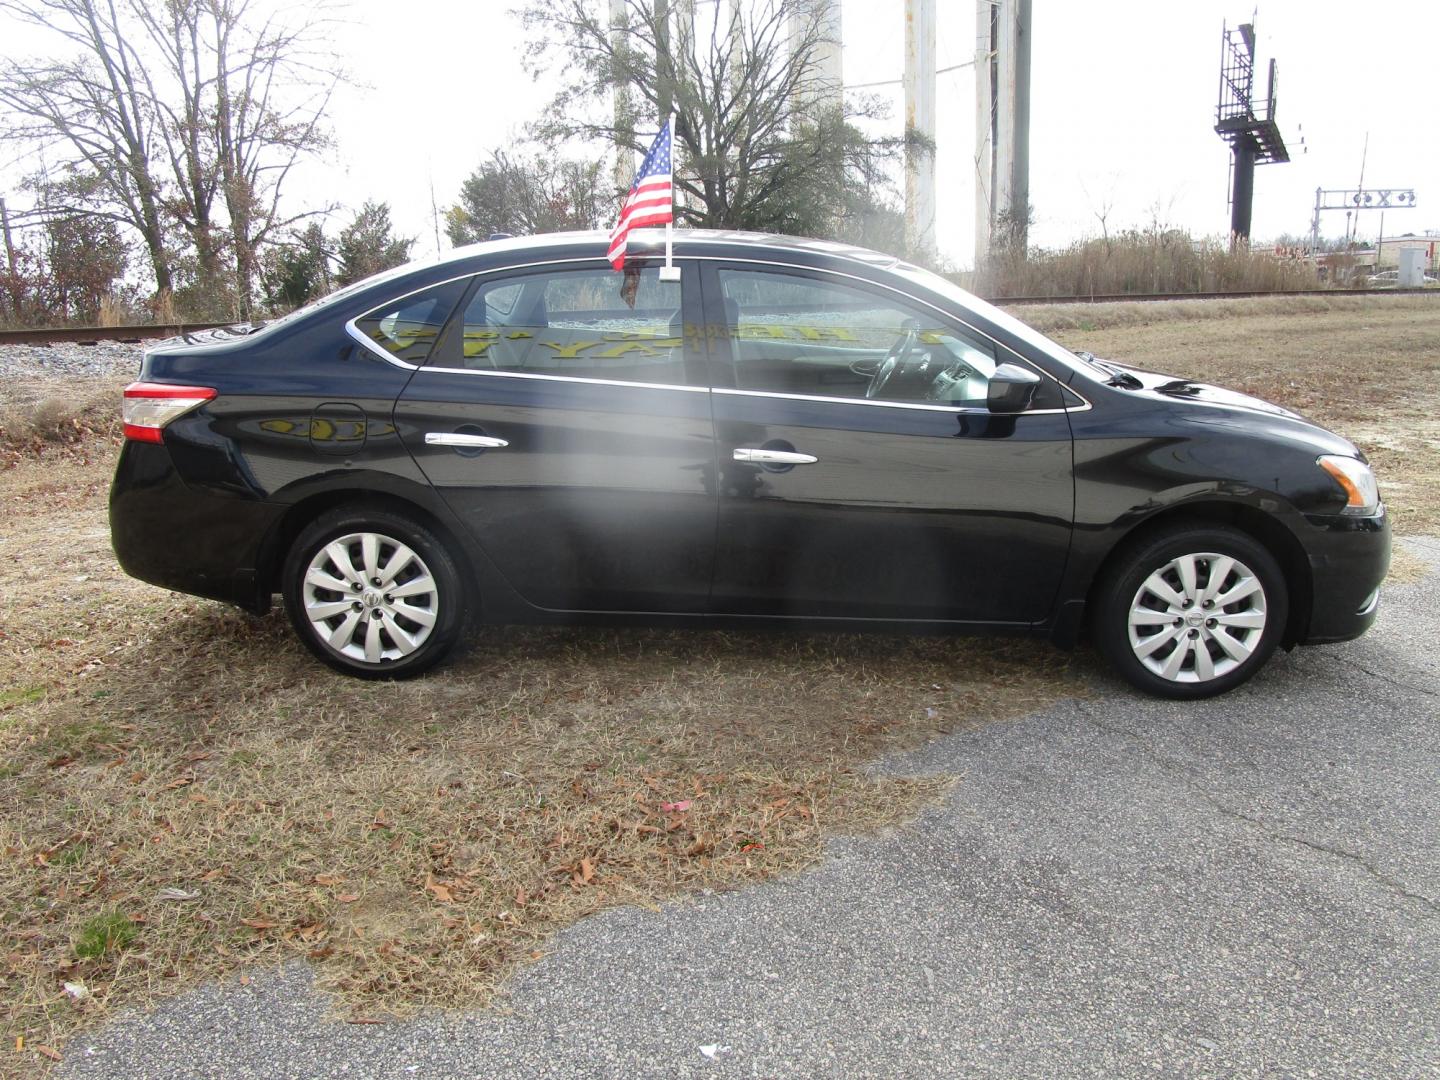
(184, 793)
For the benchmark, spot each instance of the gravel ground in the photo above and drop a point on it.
(68, 361)
(1117, 887)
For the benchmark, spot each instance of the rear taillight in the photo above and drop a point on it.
(150, 406)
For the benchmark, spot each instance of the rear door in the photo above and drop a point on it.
(854, 490)
(564, 418)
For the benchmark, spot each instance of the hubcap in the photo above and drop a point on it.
(1197, 618)
(370, 598)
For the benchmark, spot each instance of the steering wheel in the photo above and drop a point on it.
(893, 363)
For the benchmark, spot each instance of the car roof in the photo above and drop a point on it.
(651, 241)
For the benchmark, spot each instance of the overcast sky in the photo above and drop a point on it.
(1123, 99)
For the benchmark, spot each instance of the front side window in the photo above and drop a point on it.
(409, 328)
(795, 334)
(593, 324)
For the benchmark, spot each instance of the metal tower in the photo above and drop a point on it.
(1246, 124)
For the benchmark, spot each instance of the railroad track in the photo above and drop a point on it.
(91, 335)
(133, 335)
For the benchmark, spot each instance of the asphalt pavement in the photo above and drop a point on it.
(1116, 887)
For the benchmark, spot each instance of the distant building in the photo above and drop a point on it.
(1390, 247)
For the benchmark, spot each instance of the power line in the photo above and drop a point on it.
(897, 82)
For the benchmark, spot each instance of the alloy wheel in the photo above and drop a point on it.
(370, 597)
(1197, 618)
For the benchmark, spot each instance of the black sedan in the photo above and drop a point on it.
(771, 432)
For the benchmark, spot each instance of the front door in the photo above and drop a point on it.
(562, 419)
(862, 474)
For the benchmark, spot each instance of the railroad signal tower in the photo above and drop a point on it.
(1246, 123)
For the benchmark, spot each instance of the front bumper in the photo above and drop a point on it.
(1349, 558)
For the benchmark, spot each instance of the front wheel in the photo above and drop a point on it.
(374, 594)
(1191, 612)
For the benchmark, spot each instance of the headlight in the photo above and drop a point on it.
(1362, 494)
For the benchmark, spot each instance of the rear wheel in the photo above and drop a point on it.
(373, 593)
(1192, 611)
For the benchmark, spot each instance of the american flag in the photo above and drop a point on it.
(650, 198)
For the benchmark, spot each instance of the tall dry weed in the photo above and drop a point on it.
(1163, 261)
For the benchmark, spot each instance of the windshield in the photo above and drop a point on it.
(1032, 337)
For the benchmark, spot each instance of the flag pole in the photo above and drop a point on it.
(670, 272)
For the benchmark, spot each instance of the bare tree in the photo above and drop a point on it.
(759, 146)
(185, 108)
(96, 107)
(261, 131)
(527, 196)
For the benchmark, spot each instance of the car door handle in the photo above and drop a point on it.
(460, 438)
(774, 457)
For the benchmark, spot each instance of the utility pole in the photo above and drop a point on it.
(1002, 124)
(920, 129)
(824, 84)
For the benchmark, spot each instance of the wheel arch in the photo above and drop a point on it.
(301, 513)
(1264, 528)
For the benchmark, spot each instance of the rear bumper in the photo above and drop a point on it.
(183, 537)
(1349, 558)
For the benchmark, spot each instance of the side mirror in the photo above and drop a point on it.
(1011, 390)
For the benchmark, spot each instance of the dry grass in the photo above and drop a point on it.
(184, 792)
(1055, 319)
(72, 414)
(1155, 260)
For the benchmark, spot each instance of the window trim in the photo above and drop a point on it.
(725, 365)
(701, 261)
(692, 363)
(441, 335)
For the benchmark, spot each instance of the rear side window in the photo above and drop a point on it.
(408, 328)
(591, 323)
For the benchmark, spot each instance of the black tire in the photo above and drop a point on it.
(399, 644)
(1169, 635)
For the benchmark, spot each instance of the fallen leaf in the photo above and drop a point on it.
(587, 871)
(348, 897)
(441, 891)
(258, 924)
(49, 1051)
(328, 879)
(677, 807)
